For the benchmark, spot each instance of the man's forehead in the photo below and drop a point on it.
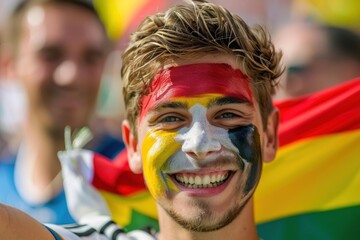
(194, 80)
(51, 23)
(200, 78)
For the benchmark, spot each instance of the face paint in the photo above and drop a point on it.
(164, 152)
(157, 147)
(182, 81)
(246, 139)
(243, 143)
(200, 136)
(162, 155)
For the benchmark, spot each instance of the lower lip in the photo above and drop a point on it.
(204, 192)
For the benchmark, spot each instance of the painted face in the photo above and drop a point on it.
(201, 142)
(201, 149)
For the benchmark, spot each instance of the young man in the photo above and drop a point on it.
(56, 50)
(200, 122)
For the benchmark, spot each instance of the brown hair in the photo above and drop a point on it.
(192, 30)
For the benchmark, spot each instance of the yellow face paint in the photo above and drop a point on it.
(203, 99)
(157, 147)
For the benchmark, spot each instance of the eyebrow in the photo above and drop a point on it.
(50, 47)
(226, 100)
(59, 48)
(174, 105)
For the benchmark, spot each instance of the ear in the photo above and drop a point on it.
(134, 155)
(271, 139)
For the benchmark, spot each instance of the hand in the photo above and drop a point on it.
(85, 203)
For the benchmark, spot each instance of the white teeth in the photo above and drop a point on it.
(201, 181)
(213, 178)
(206, 180)
(191, 180)
(198, 180)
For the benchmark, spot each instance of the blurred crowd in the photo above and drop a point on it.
(319, 40)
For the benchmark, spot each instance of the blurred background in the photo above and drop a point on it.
(121, 17)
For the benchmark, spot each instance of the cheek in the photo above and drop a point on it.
(157, 148)
(30, 70)
(246, 139)
(92, 89)
(94, 73)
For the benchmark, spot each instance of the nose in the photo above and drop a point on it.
(66, 73)
(200, 141)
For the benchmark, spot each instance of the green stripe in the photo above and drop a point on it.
(337, 224)
(141, 221)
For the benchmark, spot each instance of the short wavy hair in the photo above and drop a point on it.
(192, 30)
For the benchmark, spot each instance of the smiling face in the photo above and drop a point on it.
(199, 139)
(60, 61)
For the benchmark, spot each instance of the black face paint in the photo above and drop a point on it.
(247, 140)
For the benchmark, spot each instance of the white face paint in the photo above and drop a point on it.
(200, 137)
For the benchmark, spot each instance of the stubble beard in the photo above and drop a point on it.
(196, 224)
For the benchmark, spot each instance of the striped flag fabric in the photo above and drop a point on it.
(125, 193)
(312, 189)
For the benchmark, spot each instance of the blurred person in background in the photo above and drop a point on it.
(317, 56)
(56, 50)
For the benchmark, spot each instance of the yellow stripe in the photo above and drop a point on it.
(317, 174)
(121, 207)
(157, 147)
(203, 99)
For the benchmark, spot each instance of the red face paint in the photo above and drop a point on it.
(196, 79)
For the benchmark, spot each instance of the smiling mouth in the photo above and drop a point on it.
(211, 180)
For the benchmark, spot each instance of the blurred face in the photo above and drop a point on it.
(310, 63)
(60, 61)
(199, 139)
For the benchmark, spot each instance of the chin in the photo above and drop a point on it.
(204, 219)
(202, 216)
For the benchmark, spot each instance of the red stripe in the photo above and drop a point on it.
(179, 81)
(116, 176)
(330, 111)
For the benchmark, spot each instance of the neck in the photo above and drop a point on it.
(44, 144)
(40, 168)
(243, 227)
